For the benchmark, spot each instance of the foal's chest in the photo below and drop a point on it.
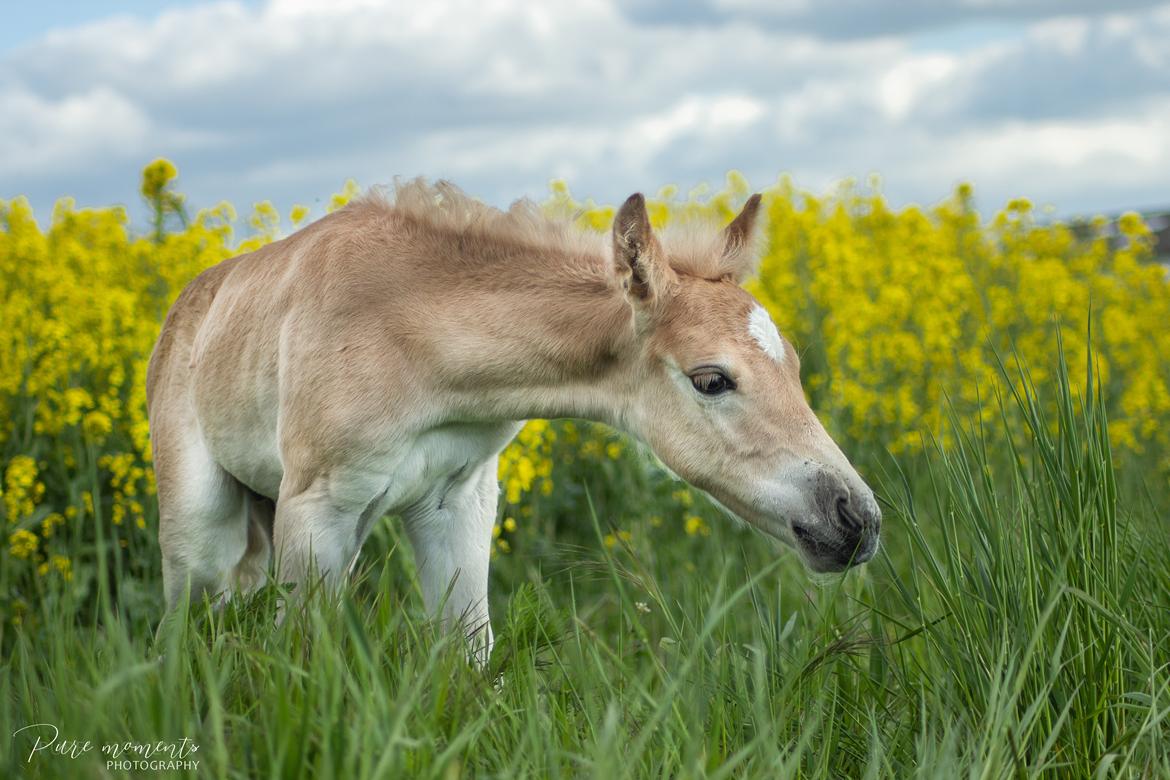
(444, 455)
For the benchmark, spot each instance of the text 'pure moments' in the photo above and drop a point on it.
(129, 755)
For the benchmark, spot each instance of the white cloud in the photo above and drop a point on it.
(1068, 35)
(1060, 156)
(705, 117)
(41, 133)
(904, 84)
(289, 99)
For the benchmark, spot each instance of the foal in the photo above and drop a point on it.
(379, 359)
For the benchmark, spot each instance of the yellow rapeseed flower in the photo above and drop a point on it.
(50, 523)
(22, 490)
(156, 176)
(23, 543)
(900, 314)
(97, 426)
(58, 563)
(612, 539)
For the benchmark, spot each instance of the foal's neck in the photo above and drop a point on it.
(537, 332)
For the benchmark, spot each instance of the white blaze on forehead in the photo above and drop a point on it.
(764, 331)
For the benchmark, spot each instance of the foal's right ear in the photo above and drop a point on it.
(636, 251)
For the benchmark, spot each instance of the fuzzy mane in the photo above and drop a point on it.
(692, 246)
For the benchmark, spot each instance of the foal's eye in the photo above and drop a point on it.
(712, 383)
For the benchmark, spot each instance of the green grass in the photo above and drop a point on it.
(1016, 624)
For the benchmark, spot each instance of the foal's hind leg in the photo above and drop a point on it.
(252, 570)
(203, 519)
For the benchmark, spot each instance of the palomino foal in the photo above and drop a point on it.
(379, 359)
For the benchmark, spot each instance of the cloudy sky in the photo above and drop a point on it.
(1063, 101)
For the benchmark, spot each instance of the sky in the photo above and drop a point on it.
(1065, 102)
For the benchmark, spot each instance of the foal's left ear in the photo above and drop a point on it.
(636, 251)
(739, 258)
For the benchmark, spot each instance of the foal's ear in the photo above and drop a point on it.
(738, 261)
(636, 250)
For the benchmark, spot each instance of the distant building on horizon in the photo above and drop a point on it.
(1158, 221)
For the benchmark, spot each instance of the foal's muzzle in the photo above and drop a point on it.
(846, 533)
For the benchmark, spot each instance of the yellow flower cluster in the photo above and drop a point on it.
(22, 490)
(527, 463)
(528, 459)
(23, 543)
(900, 313)
(156, 177)
(125, 478)
(59, 564)
(81, 301)
(614, 538)
(896, 313)
(913, 307)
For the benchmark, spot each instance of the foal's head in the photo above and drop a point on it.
(717, 394)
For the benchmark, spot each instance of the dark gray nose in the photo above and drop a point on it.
(848, 532)
(859, 520)
(853, 512)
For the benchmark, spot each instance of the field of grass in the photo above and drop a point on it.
(1015, 624)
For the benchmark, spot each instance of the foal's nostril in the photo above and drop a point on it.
(858, 515)
(846, 515)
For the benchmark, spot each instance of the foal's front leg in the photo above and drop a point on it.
(317, 521)
(451, 534)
